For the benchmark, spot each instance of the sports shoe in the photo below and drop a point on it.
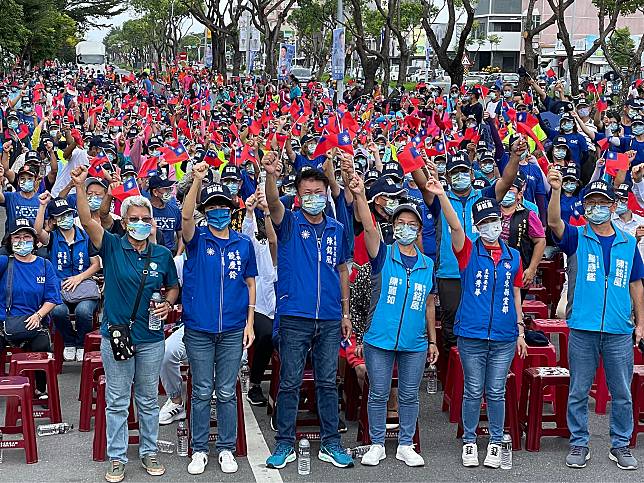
(115, 472)
(256, 397)
(493, 457)
(151, 464)
(69, 354)
(198, 463)
(274, 420)
(335, 454)
(79, 355)
(342, 426)
(578, 456)
(283, 454)
(409, 455)
(470, 455)
(623, 458)
(374, 456)
(171, 411)
(227, 462)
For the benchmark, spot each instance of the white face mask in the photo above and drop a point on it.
(490, 232)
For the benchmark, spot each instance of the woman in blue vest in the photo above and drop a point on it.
(488, 322)
(75, 259)
(400, 326)
(218, 313)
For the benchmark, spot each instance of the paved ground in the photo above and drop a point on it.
(68, 457)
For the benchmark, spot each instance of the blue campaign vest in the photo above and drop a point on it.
(215, 294)
(398, 320)
(69, 260)
(487, 307)
(603, 303)
(308, 281)
(447, 263)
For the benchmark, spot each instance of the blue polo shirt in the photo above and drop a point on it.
(34, 283)
(123, 267)
(301, 161)
(20, 207)
(168, 220)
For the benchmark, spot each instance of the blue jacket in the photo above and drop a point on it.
(488, 313)
(603, 303)
(397, 320)
(308, 281)
(215, 294)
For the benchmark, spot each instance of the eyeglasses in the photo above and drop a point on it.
(589, 205)
(136, 219)
(21, 238)
(413, 225)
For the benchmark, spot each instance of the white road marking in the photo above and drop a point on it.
(258, 449)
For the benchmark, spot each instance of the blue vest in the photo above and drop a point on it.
(447, 263)
(603, 303)
(487, 307)
(397, 320)
(69, 260)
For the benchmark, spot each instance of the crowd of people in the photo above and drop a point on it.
(335, 231)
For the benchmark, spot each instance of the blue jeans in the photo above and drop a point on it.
(142, 370)
(380, 367)
(220, 353)
(296, 336)
(584, 349)
(485, 368)
(84, 312)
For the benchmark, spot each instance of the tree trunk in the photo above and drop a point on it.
(455, 69)
(402, 69)
(369, 69)
(573, 73)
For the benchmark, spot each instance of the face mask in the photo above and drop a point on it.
(405, 234)
(94, 202)
(621, 208)
(251, 170)
(219, 218)
(583, 112)
(53, 133)
(155, 153)
(471, 125)
(461, 181)
(66, 222)
(313, 204)
(27, 110)
(509, 199)
(232, 187)
(111, 157)
(290, 191)
(454, 95)
(490, 232)
(638, 130)
(23, 248)
(566, 126)
(441, 168)
(569, 187)
(226, 151)
(13, 125)
(165, 197)
(559, 153)
(390, 206)
(26, 185)
(598, 215)
(310, 148)
(14, 89)
(523, 155)
(613, 127)
(507, 94)
(5, 99)
(487, 168)
(466, 98)
(139, 230)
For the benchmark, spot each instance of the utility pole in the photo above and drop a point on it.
(340, 16)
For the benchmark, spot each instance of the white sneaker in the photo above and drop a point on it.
(409, 455)
(69, 354)
(227, 462)
(198, 463)
(171, 412)
(374, 456)
(493, 458)
(470, 455)
(79, 355)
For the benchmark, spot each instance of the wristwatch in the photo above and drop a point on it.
(522, 335)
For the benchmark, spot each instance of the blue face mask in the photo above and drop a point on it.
(66, 222)
(487, 168)
(13, 125)
(638, 130)
(461, 181)
(441, 168)
(566, 126)
(313, 204)
(405, 234)
(23, 248)
(613, 127)
(94, 202)
(598, 215)
(559, 153)
(569, 186)
(218, 218)
(621, 208)
(26, 185)
(523, 155)
(232, 187)
(509, 199)
(139, 230)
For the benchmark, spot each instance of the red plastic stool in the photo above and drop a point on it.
(535, 307)
(535, 380)
(18, 387)
(540, 293)
(545, 356)
(26, 364)
(559, 327)
(5, 357)
(99, 446)
(637, 387)
(91, 369)
(92, 341)
(452, 395)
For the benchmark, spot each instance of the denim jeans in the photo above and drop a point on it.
(221, 353)
(84, 312)
(485, 369)
(296, 336)
(175, 352)
(142, 370)
(380, 367)
(616, 350)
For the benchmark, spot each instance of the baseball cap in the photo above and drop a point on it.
(216, 192)
(159, 182)
(58, 207)
(393, 170)
(230, 172)
(622, 190)
(371, 176)
(487, 156)
(457, 161)
(481, 146)
(384, 186)
(289, 180)
(599, 187)
(29, 169)
(92, 180)
(128, 169)
(485, 208)
(519, 181)
(560, 141)
(570, 172)
(21, 224)
(407, 207)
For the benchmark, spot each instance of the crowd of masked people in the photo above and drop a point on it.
(335, 233)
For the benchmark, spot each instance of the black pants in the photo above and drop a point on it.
(40, 343)
(449, 293)
(263, 347)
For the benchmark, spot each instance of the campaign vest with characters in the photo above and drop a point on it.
(487, 307)
(603, 302)
(69, 260)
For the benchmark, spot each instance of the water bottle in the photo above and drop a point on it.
(304, 459)
(182, 439)
(154, 322)
(432, 379)
(506, 452)
(244, 378)
(1, 448)
(213, 408)
(358, 451)
(57, 428)
(165, 446)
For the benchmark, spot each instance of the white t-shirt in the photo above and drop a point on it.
(630, 227)
(266, 271)
(78, 158)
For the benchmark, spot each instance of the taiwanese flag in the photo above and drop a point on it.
(247, 154)
(526, 124)
(601, 104)
(603, 144)
(255, 127)
(410, 159)
(616, 162)
(211, 157)
(577, 220)
(149, 167)
(127, 189)
(175, 155)
(527, 99)
(413, 122)
(551, 73)
(331, 125)
(484, 90)
(115, 122)
(96, 110)
(592, 88)
(299, 125)
(205, 105)
(634, 206)
(472, 135)
(349, 123)
(343, 141)
(325, 143)
(439, 148)
(96, 165)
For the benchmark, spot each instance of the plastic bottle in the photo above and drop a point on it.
(304, 458)
(154, 322)
(506, 452)
(213, 408)
(432, 379)
(358, 451)
(57, 428)
(165, 446)
(244, 378)
(1, 449)
(182, 439)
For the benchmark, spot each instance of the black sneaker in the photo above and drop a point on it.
(274, 420)
(256, 397)
(342, 426)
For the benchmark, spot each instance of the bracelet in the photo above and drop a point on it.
(522, 335)
(249, 305)
(345, 316)
(39, 316)
(344, 300)
(431, 342)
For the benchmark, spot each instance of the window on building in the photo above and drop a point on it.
(483, 7)
(505, 27)
(506, 6)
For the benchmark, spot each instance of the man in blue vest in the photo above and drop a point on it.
(609, 274)
(313, 306)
